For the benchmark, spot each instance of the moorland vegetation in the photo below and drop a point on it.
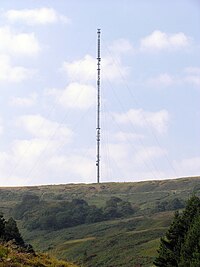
(111, 224)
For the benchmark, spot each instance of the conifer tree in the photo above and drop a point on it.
(2, 225)
(12, 232)
(181, 244)
(190, 251)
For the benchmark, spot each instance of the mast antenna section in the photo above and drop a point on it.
(98, 128)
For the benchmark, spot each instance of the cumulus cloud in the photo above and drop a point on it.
(9, 73)
(121, 46)
(132, 164)
(35, 16)
(40, 127)
(190, 75)
(37, 167)
(28, 161)
(24, 157)
(84, 70)
(113, 69)
(158, 40)
(18, 43)
(157, 120)
(81, 70)
(75, 95)
(24, 101)
(31, 161)
(29, 150)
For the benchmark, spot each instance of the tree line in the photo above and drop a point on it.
(38, 214)
(171, 204)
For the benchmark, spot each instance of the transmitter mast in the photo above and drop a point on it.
(98, 103)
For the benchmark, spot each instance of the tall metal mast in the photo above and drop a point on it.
(98, 103)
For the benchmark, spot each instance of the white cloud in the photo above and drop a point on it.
(75, 95)
(28, 161)
(149, 153)
(33, 162)
(84, 70)
(188, 166)
(25, 161)
(30, 150)
(113, 69)
(81, 70)
(158, 40)
(132, 164)
(121, 46)
(157, 120)
(5, 166)
(190, 75)
(75, 165)
(9, 73)
(193, 76)
(24, 101)
(127, 136)
(35, 16)
(40, 127)
(18, 43)
(119, 152)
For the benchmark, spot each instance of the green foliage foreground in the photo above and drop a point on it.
(181, 245)
(13, 256)
(14, 252)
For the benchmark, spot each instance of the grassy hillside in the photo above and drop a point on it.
(11, 255)
(121, 242)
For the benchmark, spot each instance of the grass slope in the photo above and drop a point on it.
(11, 255)
(121, 242)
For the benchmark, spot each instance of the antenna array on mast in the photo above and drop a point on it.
(98, 103)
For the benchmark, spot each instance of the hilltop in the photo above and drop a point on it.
(94, 192)
(126, 241)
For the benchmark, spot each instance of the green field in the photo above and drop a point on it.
(130, 241)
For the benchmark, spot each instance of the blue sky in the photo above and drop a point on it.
(150, 90)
